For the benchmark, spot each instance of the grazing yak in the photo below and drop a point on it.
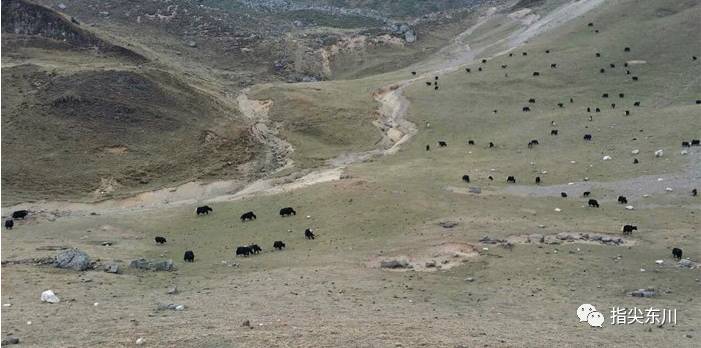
(524, 53)
(467, 69)
(491, 144)
(586, 194)
(561, 105)
(637, 103)
(309, 233)
(612, 65)
(602, 70)
(627, 49)
(490, 178)
(532, 100)
(554, 132)
(470, 142)
(484, 61)
(622, 200)
(597, 110)
(593, 203)
(9, 223)
(553, 66)
(442, 143)
(628, 229)
(537, 180)
(635, 161)
(189, 256)
(160, 240)
(605, 95)
(413, 73)
(627, 112)
(547, 51)
(613, 105)
(287, 211)
(511, 179)
(587, 137)
(598, 54)
(248, 216)
(20, 214)
(429, 83)
(526, 109)
(536, 73)
(563, 194)
(635, 78)
(204, 210)
(621, 95)
(466, 178)
(694, 192)
(255, 249)
(677, 253)
(279, 245)
(428, 147)
(504, 66)
(243, 251)
(686, 144)
(435, 87)
(695, 142)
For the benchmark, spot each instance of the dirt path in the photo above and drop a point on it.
(396, 129)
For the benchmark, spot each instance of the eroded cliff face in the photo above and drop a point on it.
(25, 19)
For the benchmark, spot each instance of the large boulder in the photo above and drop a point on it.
(152, 265)
(394, 264)
(72, 259)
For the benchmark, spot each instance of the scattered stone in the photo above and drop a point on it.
(684, 152)
(536, 238)
(49, 296)
(448, 224)
(635, 152)
(659, 262)
(606, 158)
(171, 306)
(192, 43)
(469, 279)
(686, 263)
(112, 268)
(10, 340)
(153, 265)
(629, 207)
(558, 210)
(475, 189)
(644, 293)
(659, 153)
(394, 264)
(140, 341)
(430, 264)
(73, 259)
(668, 189)
(172, 291)
(62, 6)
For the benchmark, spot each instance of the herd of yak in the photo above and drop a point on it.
(592, 203)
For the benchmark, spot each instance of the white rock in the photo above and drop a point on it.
(140, 340)
(96, 304)
(659, 153)
(309, 217)
(573, 162)
(635, 152)
(570, 183)
(659, 262)
(558, 209)
(586, 178)
(684, 152)
(485, 249)
(668, 189)
(629, 207)
(544, 172)
(660, 179)
(642, 270)
(7, 305)
(606, 158)
(49, 296)
(180, 307)
(29, 322)
(646, 195)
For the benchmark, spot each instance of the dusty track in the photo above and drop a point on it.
(396, 129)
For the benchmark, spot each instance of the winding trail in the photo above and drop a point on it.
(397, 130)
